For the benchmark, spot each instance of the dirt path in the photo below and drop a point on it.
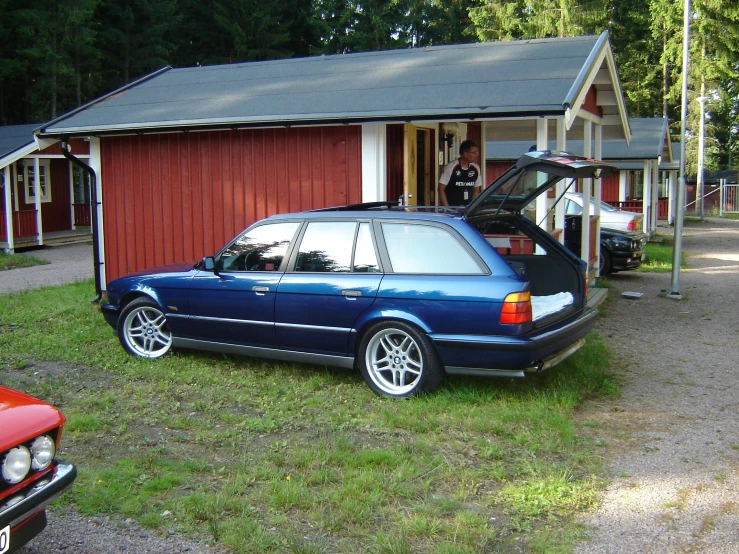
(673, 455)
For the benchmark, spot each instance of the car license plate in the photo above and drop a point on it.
(4, 539)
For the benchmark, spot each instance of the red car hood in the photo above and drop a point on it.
(22, 417)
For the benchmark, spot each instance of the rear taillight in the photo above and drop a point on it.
(516, 309)
(633, 225)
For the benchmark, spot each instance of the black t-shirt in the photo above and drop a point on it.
(460, 182)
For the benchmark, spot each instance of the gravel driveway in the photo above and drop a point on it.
(672, 448)
(67, 264)
(673, 451)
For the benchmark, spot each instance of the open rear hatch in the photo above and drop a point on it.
(556, 276)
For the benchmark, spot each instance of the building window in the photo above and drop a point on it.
(44, 181)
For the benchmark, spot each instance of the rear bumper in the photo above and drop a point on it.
(499, 355)
(24, 517)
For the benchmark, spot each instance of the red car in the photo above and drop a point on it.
(30, 474)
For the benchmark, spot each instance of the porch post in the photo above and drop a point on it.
(647, 196)
(8, 211)
(655, 196)
(598, 155)
(542, 143)
(623, 175)
(559, 210)
(374, 163)
(96, 165)
(37, 194)
(587, 145)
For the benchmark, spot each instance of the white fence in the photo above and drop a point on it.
(729, 199)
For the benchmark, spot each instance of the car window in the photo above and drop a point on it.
(260, 249)
(326, 247)
(365, 259)
(572, 208)
(426, 249)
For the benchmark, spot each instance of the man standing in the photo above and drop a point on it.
(461, 179)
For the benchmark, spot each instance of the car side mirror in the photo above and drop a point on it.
(209, 264)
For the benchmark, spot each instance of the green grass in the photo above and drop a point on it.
(15, 261)
(730, 216)
(659, 258)
(270, 457)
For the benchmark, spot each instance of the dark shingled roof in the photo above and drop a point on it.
(15, 137)
(482, 80)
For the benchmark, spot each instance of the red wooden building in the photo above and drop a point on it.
(186, 158)
(43, 197)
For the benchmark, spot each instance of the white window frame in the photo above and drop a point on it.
(44, 181)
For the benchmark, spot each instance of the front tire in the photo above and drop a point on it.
(605, 266)
(397, 360)
(143, 330)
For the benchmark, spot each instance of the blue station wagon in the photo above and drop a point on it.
(406, 294)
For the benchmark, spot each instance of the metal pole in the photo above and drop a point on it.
(677, 242)
(701, 147)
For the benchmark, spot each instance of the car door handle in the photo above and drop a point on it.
(351, 293)
(260, 289)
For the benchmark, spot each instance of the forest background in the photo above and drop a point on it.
(56, 55)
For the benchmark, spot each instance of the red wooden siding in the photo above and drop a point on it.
(493, 170)
(591, 102)
(78, 147)
(474, 132)
(609, 188)
(181, 196)
(56, 215)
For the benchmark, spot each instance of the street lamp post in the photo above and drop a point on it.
(680, 208)
(701, 140)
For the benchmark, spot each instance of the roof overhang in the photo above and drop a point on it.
(18, 154)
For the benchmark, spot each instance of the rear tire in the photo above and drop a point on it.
(605, 266)
(398, 360)
(143, 330)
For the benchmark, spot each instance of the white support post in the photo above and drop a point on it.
(623, 176)
(8, 211)
(37, 193)
(374, 162)
(671, 190)
(655, 196)
(559, 210)
(647, 196)
(96, 165)
(587, 144)
(483, 157)
(598, 194)
(542, 143)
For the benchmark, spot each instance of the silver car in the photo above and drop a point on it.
(610, 217)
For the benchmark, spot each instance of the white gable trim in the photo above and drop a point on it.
(601, 53)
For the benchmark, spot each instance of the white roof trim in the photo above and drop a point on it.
(16, 155)
(603, 53)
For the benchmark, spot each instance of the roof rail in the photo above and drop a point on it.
(360, 207)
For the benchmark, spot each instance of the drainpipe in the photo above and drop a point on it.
(94, 217)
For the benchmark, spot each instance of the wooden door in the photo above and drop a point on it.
(410, 171)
